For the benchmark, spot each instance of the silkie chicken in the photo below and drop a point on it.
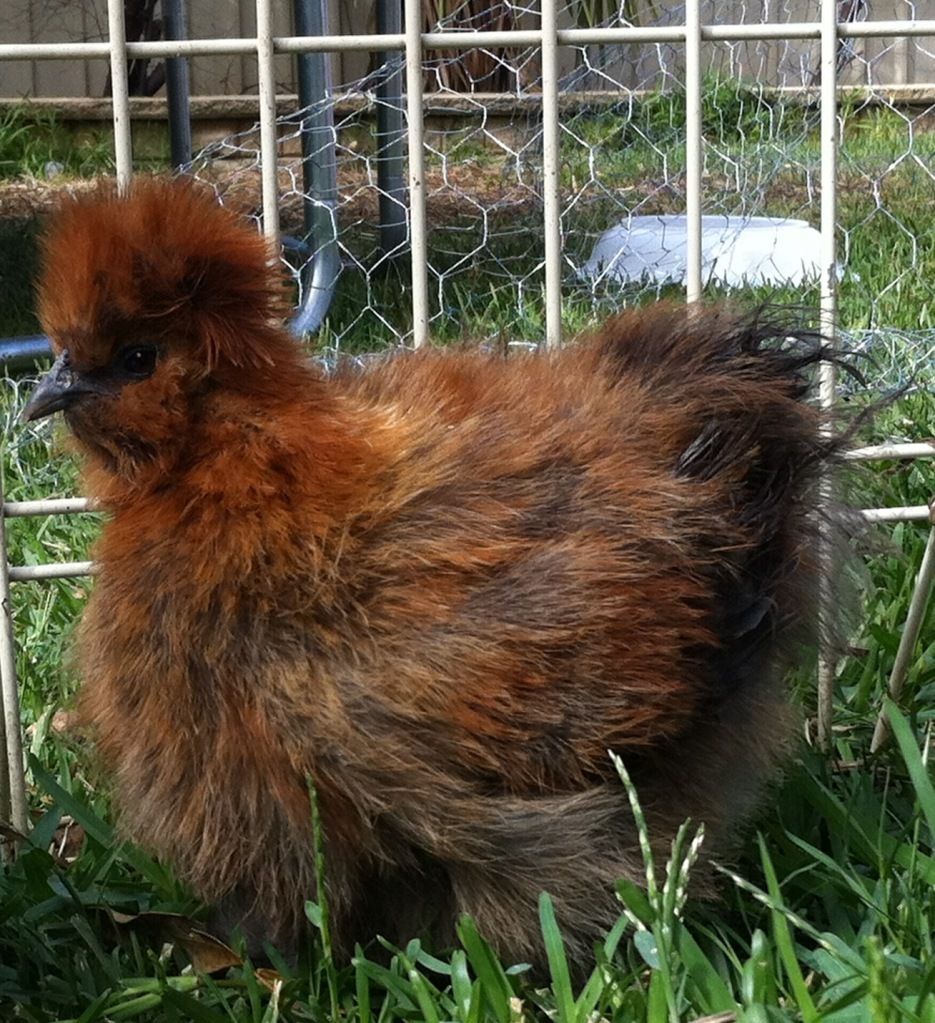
(440, 588)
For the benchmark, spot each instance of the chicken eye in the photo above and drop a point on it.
(138, 361)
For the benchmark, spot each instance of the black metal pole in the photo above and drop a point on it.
(391, 135)
(177, 87)
(23, 352)
(319, 170)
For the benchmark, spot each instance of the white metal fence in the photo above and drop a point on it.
(895, 62)
(537, 161)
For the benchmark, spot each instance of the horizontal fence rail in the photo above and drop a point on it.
(883, 452)
(81, 506)
(465, 40)
(48, 506)
(55, 570)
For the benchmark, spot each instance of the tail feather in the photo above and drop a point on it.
(735, 388)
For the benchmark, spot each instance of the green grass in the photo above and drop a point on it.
(31, 140)
(827, 914)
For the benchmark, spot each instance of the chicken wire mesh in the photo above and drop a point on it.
(622, 169)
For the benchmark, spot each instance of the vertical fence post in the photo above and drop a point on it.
(123, 143)
(551, 184)
(266, 82)
(391, 134)
(319, 170)
(12, 780)
(7, 671)
(828, 319)
(418, 242)
(177, 87)
(693, 151)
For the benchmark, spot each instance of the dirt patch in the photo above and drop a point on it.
(453, 193)
(24, 198)
(456, 194)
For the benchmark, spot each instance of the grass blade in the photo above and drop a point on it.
(783, 938)
(361, 987)
(712, 994)
(487, 968)
(558, 961)
(921, 782)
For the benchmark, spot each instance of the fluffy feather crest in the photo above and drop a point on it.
(164, 259)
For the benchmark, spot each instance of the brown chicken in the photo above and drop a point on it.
(442, 588)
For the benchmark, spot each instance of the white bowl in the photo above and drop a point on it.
(735, 251)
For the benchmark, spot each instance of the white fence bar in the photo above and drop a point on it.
(79, 505)
(829, 175)
(828, 319)
(266, 81)
(418, 231)
(75, 569)
(551, 186)
(829, 172)
(912, 513)
(462, 40)
(123, 141)
(879, 452)
(48, 506)
(739, 33)
(56, 570)
(693, 150)
(12, 778)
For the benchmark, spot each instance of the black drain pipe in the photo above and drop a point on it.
(319, 172)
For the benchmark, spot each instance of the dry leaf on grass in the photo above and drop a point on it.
(207, 953)
(270, 979)
(67, 842)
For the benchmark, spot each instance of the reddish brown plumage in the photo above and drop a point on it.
(442, 587)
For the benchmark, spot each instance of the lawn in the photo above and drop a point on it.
(829, 911)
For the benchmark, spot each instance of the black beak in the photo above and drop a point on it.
(58, 389)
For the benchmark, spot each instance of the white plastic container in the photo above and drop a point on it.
(735, 251)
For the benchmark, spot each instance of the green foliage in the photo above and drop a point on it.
(32, 139)
(732, 112)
